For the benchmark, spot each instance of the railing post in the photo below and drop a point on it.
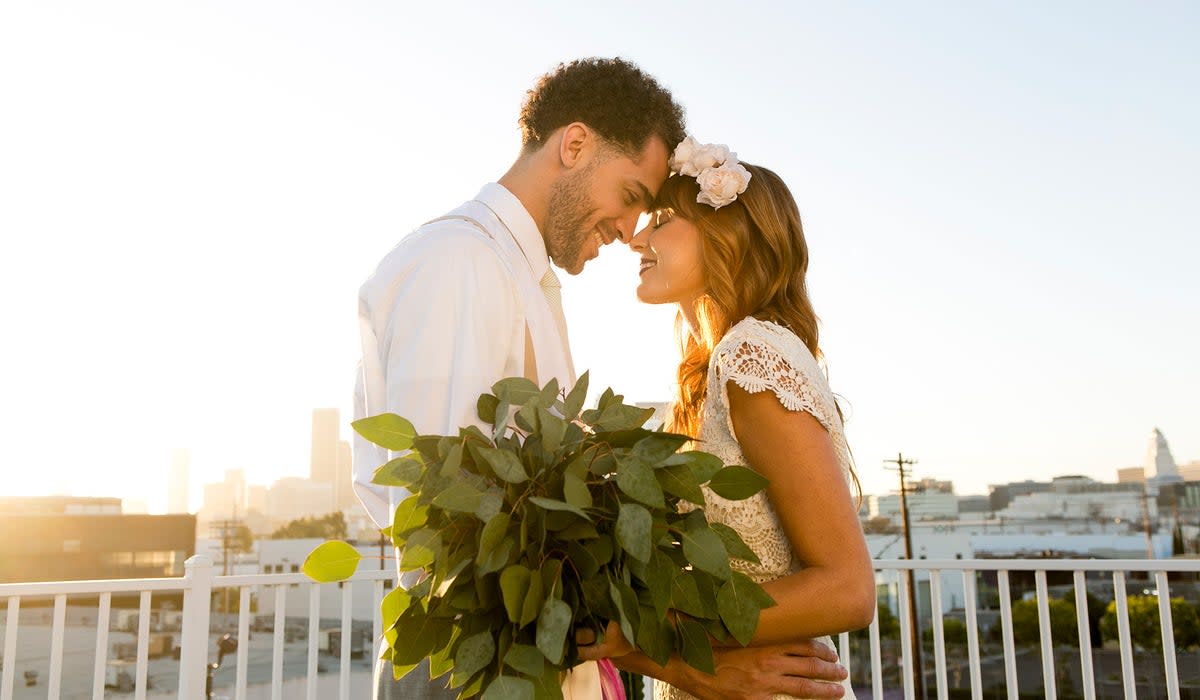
(193, 642)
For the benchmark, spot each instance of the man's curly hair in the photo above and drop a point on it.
(624, 105)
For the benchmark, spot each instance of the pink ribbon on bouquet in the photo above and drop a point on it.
(611, 687)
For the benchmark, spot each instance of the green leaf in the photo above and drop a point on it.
(491, 535)
(625, 601)
(685, 596)
(509, 688)
(705, 550)
(486, 408)
(498, 558)
(660, 572)
(504, 464)
(453, 462)
(618, 416)
(490, 504)
(655, 635)
(702, 464)
(533, 601)
(734, 544)
(500, 425)
(390, 608)
(633, 530)
(387, 430)
(739, 607)
(420, 549)
(332, 561)
(552, 626)
(474, 653)
(637, 480)
(417, 633)
(737, 483)
(658, 446)
(695, 649)
(459, 497)
(515, 390)
(526, 659)
(553, 430)
(575, 399)
(514, 587)
(679, 480)
(410, 515)
(576, 492)
(552, 504)
(402, 471)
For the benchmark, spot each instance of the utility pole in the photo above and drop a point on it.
(901, 467)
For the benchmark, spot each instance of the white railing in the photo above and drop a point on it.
(200, 583)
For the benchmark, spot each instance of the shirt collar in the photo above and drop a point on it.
(513, 214)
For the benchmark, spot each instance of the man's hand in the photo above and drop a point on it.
(806, 669)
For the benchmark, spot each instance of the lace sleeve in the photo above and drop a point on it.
(761, 358)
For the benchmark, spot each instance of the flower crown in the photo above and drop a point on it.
(716, 169)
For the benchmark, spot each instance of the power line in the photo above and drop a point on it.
(901, 468)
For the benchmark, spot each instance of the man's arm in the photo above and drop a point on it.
(437, 321)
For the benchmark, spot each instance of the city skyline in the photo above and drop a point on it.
(996, 199)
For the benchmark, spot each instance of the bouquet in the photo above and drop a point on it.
(554, 519)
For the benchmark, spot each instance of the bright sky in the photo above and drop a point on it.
(999, 201)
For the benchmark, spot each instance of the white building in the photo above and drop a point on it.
(287, 556)
(1160, 465)
(177, 482)
(922, 505)
(292, 498)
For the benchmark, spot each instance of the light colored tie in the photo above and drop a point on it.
(552, 289)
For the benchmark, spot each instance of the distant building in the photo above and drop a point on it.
(1081, 498)
(344, 483)
(225, 499)
(293, 498)
(1160, 465)
(71, 539)
(929, 505)
(930, 486)
(1131, 475)
(973, 505)
(1190, 471)
(177, 482)
(1000, 495)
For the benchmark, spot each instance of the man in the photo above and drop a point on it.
(470, 298)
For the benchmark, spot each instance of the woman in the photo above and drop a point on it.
(725, 243)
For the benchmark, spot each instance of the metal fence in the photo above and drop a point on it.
(200, 584)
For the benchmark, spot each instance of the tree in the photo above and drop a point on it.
(1064, 629)
(327, 527)
(954, 631)
(881, 525)
(1145, 629)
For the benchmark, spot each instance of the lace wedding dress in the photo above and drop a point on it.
(761, 356)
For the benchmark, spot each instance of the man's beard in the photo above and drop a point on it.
(567, 216)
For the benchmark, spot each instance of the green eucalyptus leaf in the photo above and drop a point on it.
(486, 408)
(575, 399)
(679, 480)
(515, 390)
(658, 446)
(490, 504)
(474, 653)
(578, 531)
(553, 430)
(739, 604)
(633, 530)
(491, 535)
(499, 557)
(637, 480)
(552, 626)
(705, 550)
(500, 425)
(554, 504)
(576, 492)
(402, 471)
(533, 601)
(703, 465)
(410, 515)
(625, 601)
(332, 561)
(685, 596)
(514, 587)
(421, 548)
(509, 688)
(695, 648)
(504, 464)
(549, 393)
(452, 464)
(417, 632)
(737, 483)
(655, 635)
(387, 430)
(526, 659)
(660, 572)
(734, 544)
(618, 416)
(459, 497)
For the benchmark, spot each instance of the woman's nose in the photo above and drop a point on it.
(640, 239)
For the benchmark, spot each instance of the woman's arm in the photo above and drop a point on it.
(835, 591)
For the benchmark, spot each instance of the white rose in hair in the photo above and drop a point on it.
(710, 155)
(681, 161)
(720, 186)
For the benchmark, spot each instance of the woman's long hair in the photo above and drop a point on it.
(755, 261)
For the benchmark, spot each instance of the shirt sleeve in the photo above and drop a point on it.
(437, 319)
